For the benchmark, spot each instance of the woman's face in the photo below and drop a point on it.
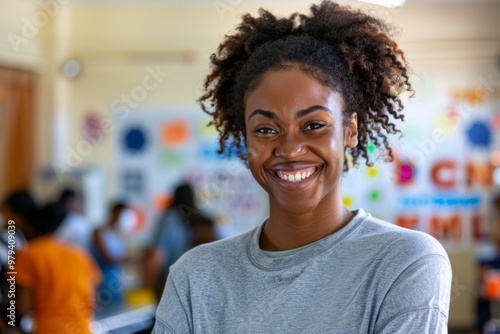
(295, 140)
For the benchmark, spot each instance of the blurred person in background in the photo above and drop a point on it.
(202, 229)
(56, 281)
(181, 227)
(110, 249)
(15, 210)
(75, 229)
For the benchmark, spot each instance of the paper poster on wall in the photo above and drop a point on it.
(442, 177)
(157, 149)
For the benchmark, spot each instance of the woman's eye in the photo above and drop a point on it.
(266, 131)
(313, 126)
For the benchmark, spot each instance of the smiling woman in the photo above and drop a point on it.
(295, 127)
(295, 94)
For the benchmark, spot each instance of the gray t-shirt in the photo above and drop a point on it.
(369, 277)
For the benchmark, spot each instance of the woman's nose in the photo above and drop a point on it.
(290, 147)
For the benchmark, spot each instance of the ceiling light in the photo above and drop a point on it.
(386, 3)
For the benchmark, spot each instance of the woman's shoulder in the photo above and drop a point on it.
(386, 237)
(220, 252)
(404, 241)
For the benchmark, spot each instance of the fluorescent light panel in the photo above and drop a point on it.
(386, 3)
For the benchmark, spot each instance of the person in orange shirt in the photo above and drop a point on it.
(55, 282)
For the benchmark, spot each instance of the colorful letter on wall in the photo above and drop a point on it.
(409, 221)
(404, 173)
(443, 174)
(479, 230)
(479, 174)
(445, 228)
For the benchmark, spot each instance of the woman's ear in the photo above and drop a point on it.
(351, 132)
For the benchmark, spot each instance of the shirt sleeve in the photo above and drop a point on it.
(418, 322)
(25, 270)
(173, 313)
(418, 300)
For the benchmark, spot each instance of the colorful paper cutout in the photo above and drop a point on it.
(371, 148)
(175, 133)
(162, 201)
(134, 140)
(172, 159)
(374, 195)
(372, 171)
(93, 129)
(472, 96)
(479, 134)
(347, 200)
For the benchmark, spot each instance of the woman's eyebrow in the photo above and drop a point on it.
(298, 114)
(303, 112)
(265, 113)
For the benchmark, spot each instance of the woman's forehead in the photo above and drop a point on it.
(290, 87)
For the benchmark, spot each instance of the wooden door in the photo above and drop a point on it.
(17, 126)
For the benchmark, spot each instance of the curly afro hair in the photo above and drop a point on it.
(345, 49)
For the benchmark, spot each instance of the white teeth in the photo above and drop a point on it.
(297, 177)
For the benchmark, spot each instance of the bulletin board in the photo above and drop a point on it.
(441, 181)
(158, 149)
(443, 176)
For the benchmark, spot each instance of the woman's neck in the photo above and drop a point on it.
(285, 230)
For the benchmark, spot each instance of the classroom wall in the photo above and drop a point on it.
(15, 49)
(117, 44)
(456, 43)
